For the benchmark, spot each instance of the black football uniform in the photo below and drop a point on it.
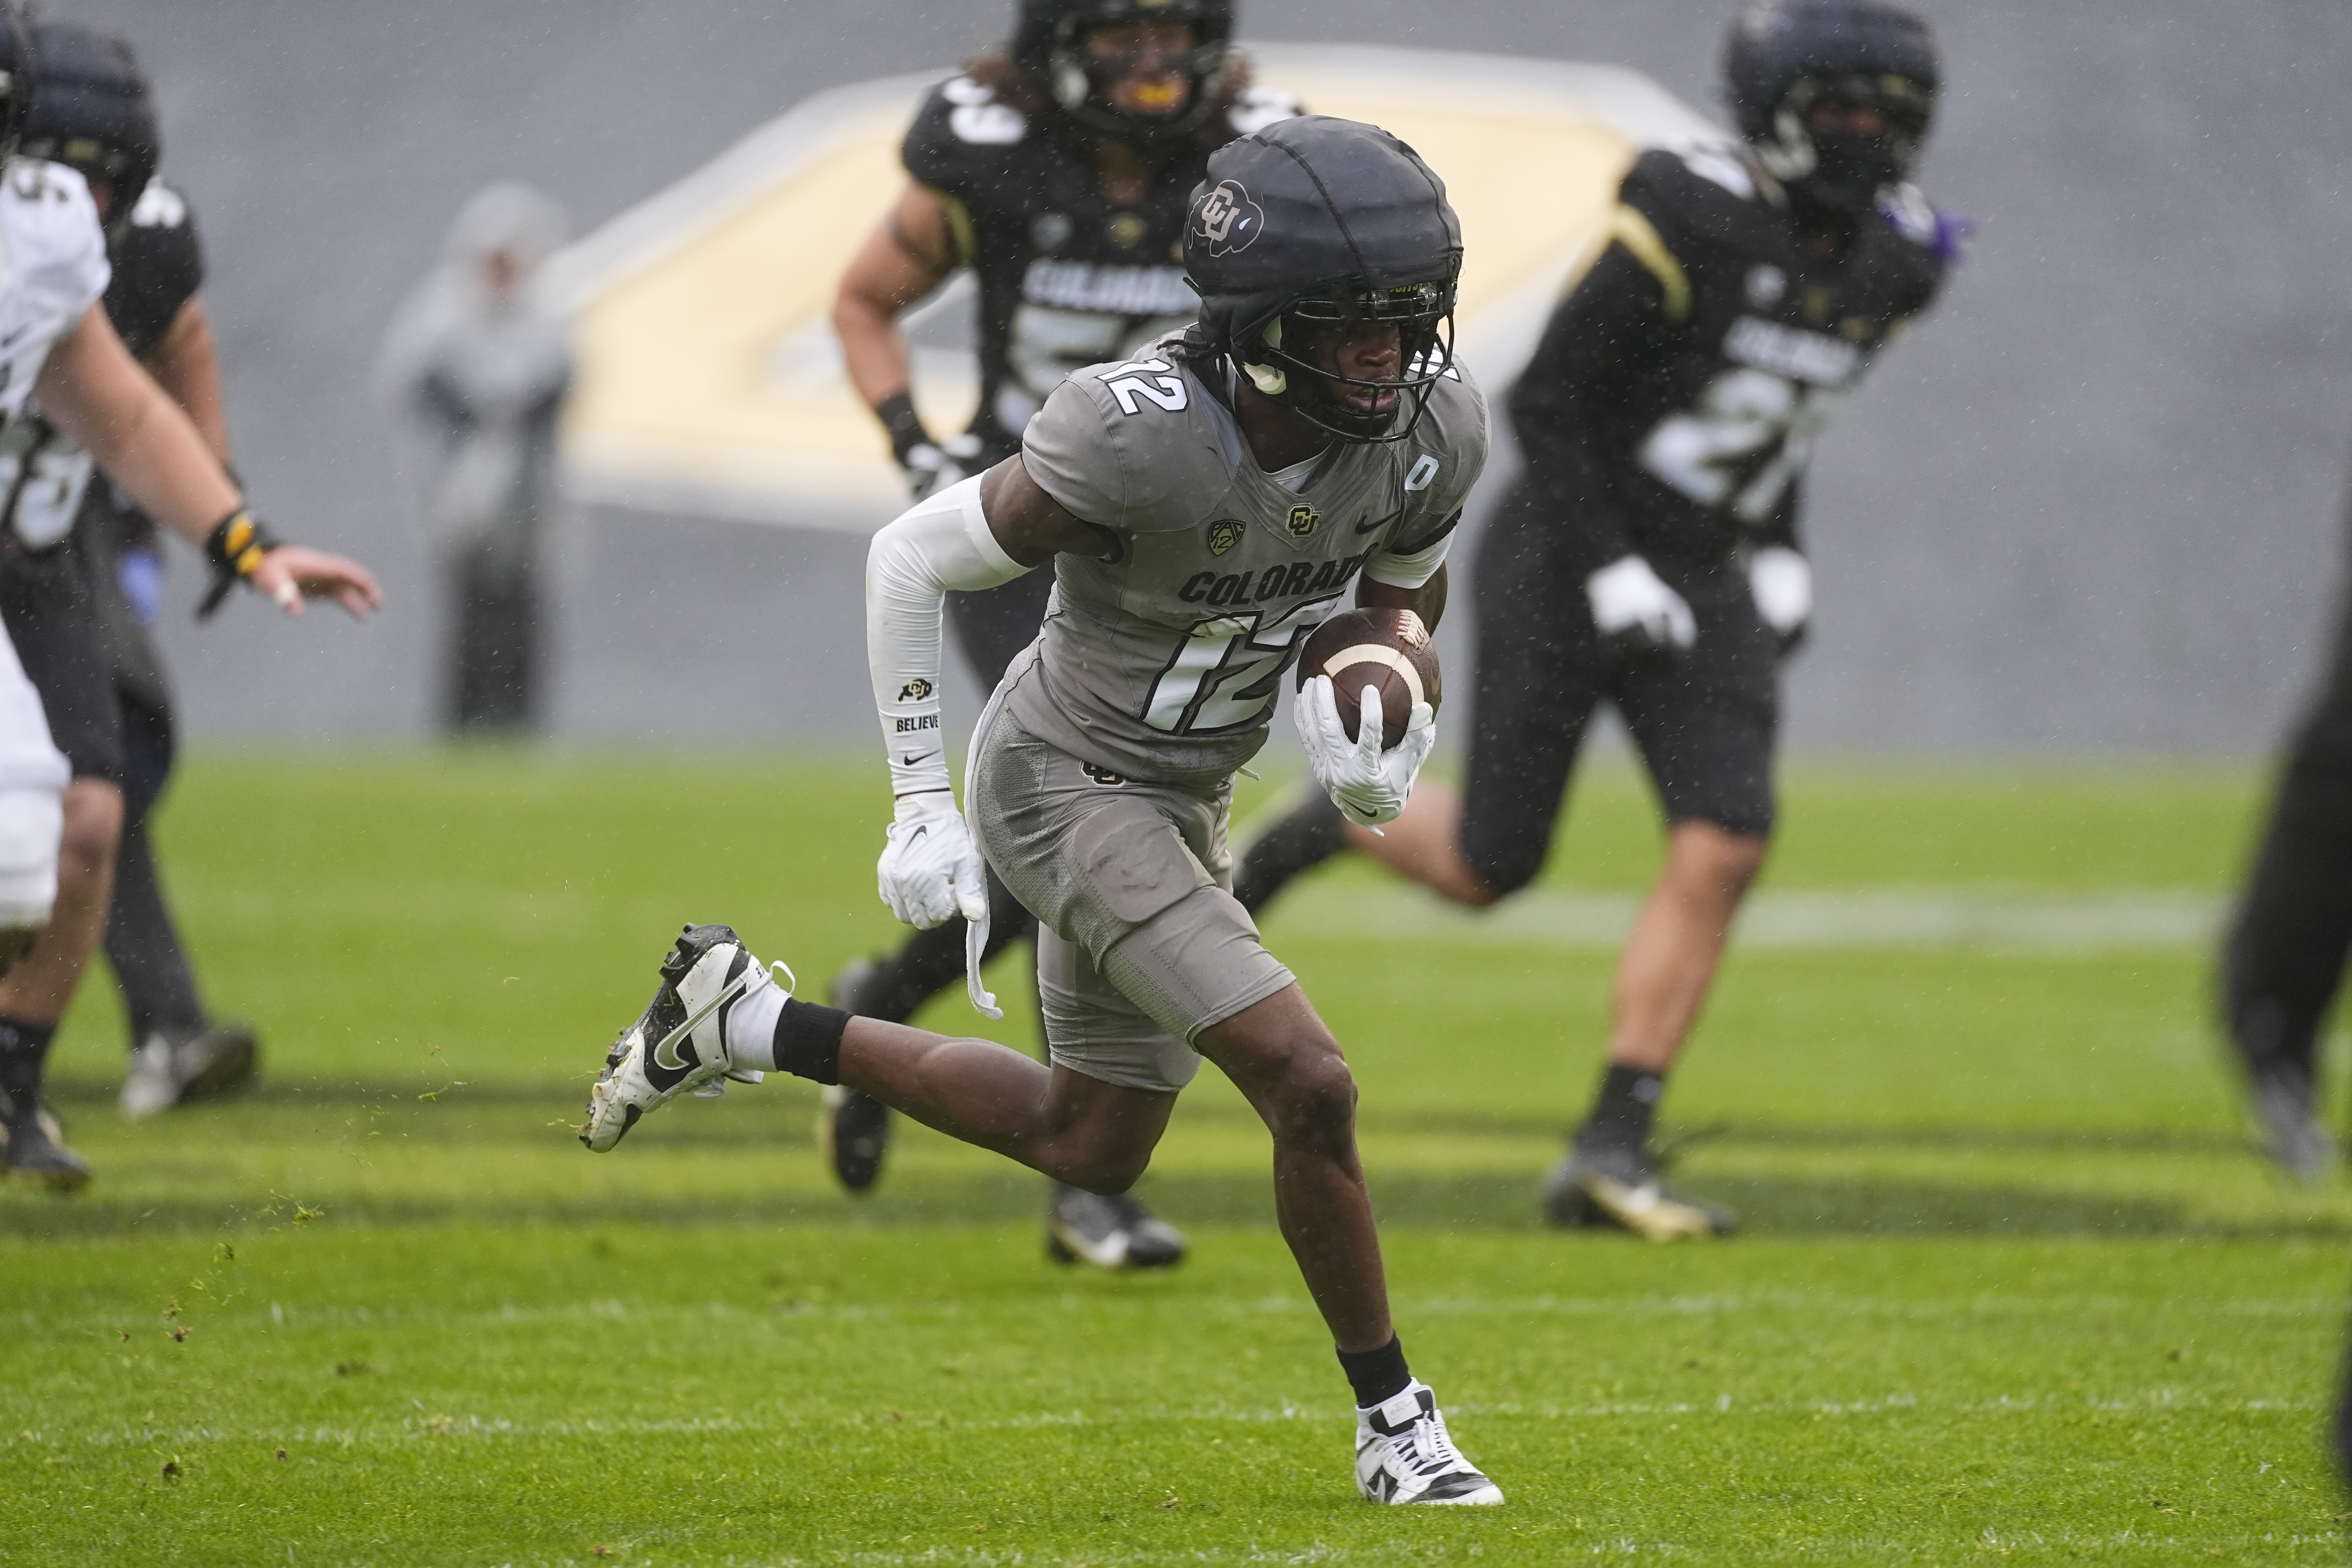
(1668, 412)
(1066, 278)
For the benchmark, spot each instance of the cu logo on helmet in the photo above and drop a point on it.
(1228, 219)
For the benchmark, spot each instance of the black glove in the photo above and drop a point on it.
(929, 466)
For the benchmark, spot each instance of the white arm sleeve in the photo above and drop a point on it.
(1409, 570)
(943, 542)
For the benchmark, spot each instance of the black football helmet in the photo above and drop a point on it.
(1049, 42)
(92, 113)
(1786, 56)
(1317, 221)
(16, 76)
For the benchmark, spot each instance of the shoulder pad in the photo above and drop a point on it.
(1130, 446)
(1703, 181)
(1259, 107)
(976, 117)
(1711, 196)
(1722, 168)
(159, 206)
(54, 240)
(960, 137)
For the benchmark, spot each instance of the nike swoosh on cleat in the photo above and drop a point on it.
(665, 1054)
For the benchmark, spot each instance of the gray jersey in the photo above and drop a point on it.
(1163, 658)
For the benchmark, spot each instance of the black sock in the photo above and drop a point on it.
(808, 1041)
(1377, 1376)
(23, 1049)
(1622, 1111)
(1299, 842)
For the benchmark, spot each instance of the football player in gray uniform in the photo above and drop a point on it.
(1057, 170)
(1205, 506)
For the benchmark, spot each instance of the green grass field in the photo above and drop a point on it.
(2011, 1284)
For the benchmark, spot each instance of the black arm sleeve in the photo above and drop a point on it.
(1556, 407)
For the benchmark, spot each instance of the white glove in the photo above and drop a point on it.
(1632, 604)
(930, 871)
(1368, 786)
(1782, 583)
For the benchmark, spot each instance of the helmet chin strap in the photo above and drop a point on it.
(1269, 379)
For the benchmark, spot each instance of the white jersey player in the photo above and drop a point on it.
(57, 348)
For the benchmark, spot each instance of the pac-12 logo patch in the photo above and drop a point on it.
(915, 690)
(1304, 520)
(1227, 219)
(1223, 534)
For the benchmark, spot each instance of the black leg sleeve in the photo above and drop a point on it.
(159, 987)
(1539, 677)
(1301, 841)
(932, 960)
(2286, 949)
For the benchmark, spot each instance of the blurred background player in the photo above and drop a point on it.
(2283, 961)
(93, 112)
(479, 366)
(1057, 168)
(63, 354)
(1648, 553)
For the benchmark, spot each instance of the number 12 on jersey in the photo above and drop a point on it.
(1228, 669)
(1128, 382)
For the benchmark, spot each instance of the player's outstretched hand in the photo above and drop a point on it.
(930, 869)
(293, 573)
(1632, 608)
(1368, 786)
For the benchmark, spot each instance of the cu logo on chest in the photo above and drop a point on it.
(1223, 534)
(1304, 520)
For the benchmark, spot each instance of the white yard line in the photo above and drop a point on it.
(1925, 917)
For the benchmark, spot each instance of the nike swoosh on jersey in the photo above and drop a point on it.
(1371, 527)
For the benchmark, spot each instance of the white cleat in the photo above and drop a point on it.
(215, 1062)
(679, 1044)
(1403, 1454)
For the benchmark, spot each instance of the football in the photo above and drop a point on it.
(1387, 651)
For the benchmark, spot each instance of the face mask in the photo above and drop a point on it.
(1849, 171)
